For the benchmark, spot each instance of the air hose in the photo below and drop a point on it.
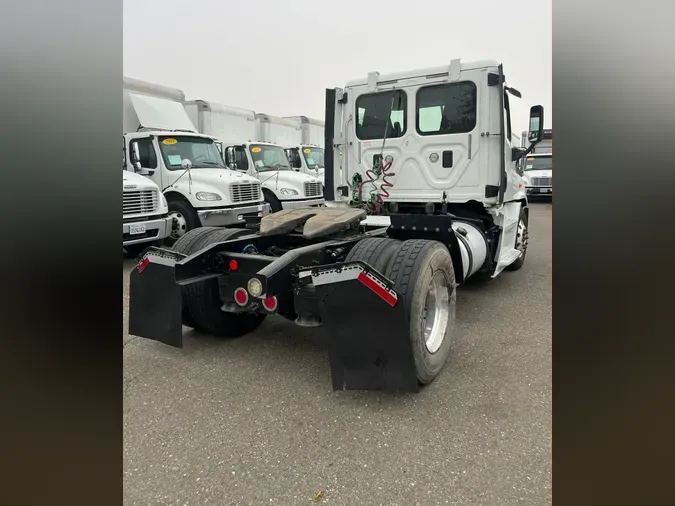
(375, 202)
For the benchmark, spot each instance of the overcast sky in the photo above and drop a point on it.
(278, 57)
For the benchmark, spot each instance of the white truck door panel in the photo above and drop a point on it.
(436, 149)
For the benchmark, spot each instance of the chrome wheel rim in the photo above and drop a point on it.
(436, 312)
(522, 238)
(179, 226)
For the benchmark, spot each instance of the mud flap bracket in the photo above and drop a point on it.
(367, 329)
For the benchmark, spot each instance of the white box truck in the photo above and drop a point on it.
(239, 130)
(162, 144)
(537, 167)
(307, 154)
(145, 214)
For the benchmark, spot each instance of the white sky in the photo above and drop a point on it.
(278, 57)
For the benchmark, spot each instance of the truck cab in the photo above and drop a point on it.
(283, 187)
(308, 159)
(188, 167)
(145, 213)
(537, 167)
(437, 142)
(537, 171)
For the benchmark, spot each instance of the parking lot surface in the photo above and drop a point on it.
(254, 421)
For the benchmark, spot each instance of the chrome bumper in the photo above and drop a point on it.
(155, 230)
(302, 204)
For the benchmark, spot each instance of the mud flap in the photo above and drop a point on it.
(368, 329)
(155, 301)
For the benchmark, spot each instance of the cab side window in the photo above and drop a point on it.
(236, 155)
(147, 153)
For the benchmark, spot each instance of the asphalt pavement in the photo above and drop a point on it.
(255, 421)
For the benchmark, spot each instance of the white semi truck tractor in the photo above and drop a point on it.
(425, 194)
(162, 144)
(247, 149)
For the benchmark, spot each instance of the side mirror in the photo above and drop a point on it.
(234, 166)
(536, 129)
(186, 163)
(136, 157)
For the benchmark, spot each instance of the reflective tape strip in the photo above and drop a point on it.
(155, 259)
(351, 272)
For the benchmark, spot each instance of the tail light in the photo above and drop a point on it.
(241, 296)
(270, 304)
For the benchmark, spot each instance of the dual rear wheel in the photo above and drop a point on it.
(422, 272)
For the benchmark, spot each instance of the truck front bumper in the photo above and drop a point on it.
(232, 216)
(539, 191)
(146, 231)
(301, 204)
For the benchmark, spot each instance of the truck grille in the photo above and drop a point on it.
(313, 189)
(542, 181)
(139, 202)
(245, 192)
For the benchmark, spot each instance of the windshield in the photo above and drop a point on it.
(538, 163)
(202, 152)
(313, 157)
(266, 158)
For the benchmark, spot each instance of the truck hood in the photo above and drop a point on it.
(529, 174)
(218, 181)
(213, 177)
(286, 179)
(132, 181)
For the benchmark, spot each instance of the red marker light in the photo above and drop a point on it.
(144, 263)
(241, 296)
(270, 304)
(233, 265)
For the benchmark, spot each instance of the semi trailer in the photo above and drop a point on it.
(425, 194)
(161, 143)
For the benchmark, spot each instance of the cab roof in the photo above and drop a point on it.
(435, 71)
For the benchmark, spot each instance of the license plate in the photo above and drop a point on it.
(545, 190)
(137, 228)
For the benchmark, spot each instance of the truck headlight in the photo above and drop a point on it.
(208, 196)
(288, 191)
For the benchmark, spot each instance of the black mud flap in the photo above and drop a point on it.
(367, 327)
(155, 302)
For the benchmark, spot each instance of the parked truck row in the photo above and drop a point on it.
(213, 165)
(537, 167)
(421, 200)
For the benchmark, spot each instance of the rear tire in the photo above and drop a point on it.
(377, 252)
(522, 238)
(422, 272)
(201, 301)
